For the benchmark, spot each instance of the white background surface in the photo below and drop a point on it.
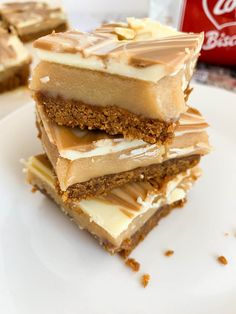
(49, 266)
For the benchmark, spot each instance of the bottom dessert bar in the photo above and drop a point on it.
(122, 218)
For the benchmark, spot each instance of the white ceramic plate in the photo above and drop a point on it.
(49, 266)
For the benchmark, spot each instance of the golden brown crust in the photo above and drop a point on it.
(34, 35)
(169, 253)
(155, 174)
(222, 260)
(133, 264)
(145, 280)
(110, 119)
(19, 77)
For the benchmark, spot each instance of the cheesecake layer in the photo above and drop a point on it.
(32, 19)
(118, 219)
(163, 101)
(88, 162)
(14, 61)
(129, 85)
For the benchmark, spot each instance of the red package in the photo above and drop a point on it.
(217, 18)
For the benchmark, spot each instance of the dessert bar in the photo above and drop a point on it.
(33, 19)
(14, 61)
(127, 78)
(122, 218)
(89, 163)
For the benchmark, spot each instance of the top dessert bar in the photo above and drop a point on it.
(32, 19)
(126, 78)
(14, 61)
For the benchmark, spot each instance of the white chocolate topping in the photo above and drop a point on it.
(148, 52)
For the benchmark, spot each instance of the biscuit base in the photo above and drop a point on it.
(111, 119)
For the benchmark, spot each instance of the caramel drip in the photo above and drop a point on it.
(142, 189)
(190, 118)
(192, 127)
(132, 192)
(67, 138)
(191, 121)
(127, 196)
(160, 50)
(193, 111)
(77, 42)
(127, 213)
(117, 200)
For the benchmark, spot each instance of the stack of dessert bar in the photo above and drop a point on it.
(122, 146)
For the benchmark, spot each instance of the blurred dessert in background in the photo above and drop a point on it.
(33, 19)
(14, 61)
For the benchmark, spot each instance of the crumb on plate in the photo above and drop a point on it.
(169, 253)
(222, 260)
(34, 189)
(145, 280)
(133, 264)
